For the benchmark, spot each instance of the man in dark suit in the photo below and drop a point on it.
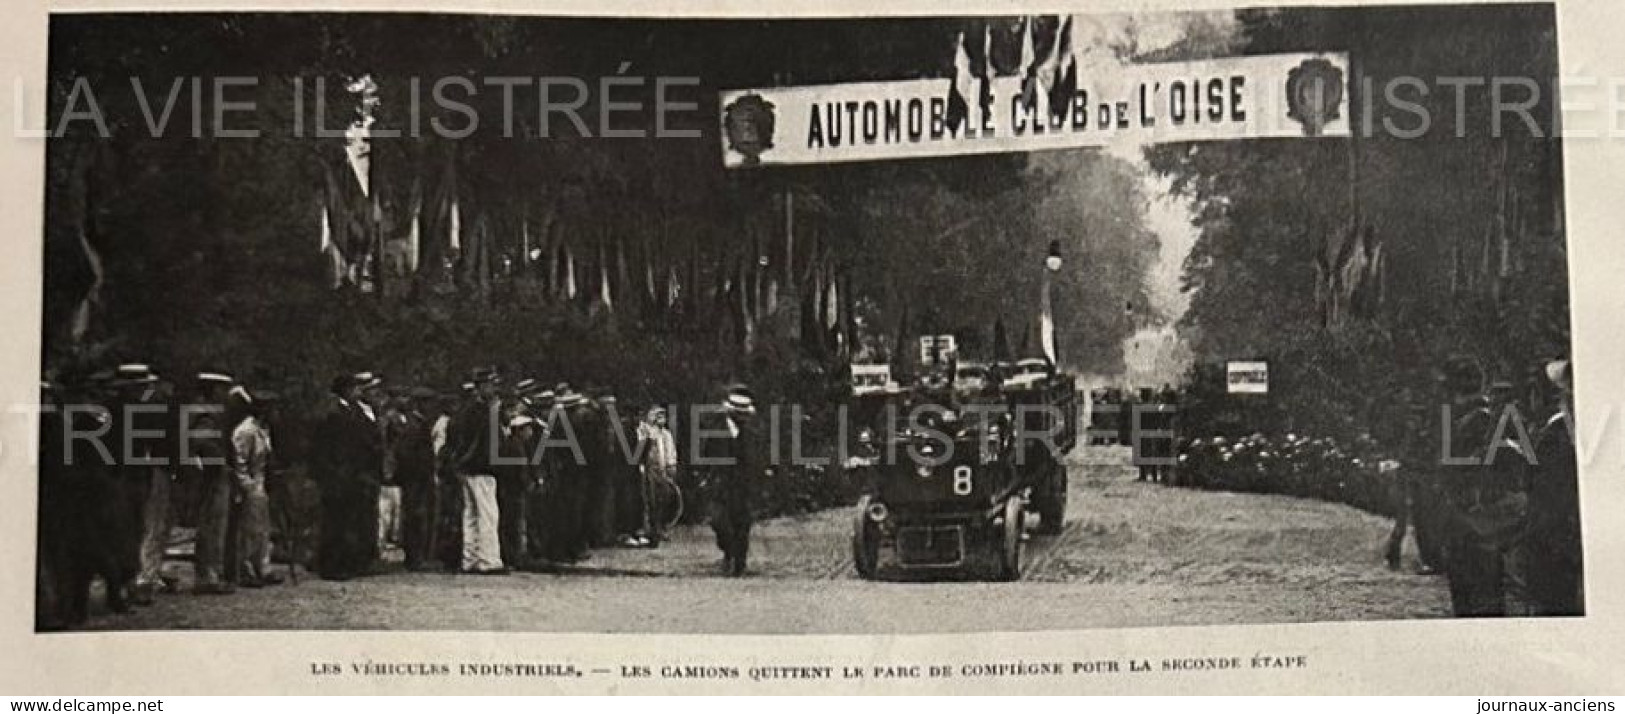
(740, 461)
(567, 458)
(88, 520)
(415, 473)
(1552, 540)
(1481, 508)
(347, 463)
(80, 516)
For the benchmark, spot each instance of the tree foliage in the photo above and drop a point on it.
(1466, 208)
(209, 245)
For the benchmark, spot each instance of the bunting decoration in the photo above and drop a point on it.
(1064, 85)
(961, 90)
(1348, 277)
(1029, 69)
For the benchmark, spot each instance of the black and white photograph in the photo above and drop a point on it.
(892, 325)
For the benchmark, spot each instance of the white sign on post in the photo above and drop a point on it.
(937, 349)
(1248, 377)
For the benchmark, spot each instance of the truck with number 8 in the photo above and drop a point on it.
(952, 477)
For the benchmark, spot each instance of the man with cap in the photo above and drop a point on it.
(251, 456)
(346, 461)
(739, 461)
(415, 474)
(476, 434)
(658, 470)
(205, 450)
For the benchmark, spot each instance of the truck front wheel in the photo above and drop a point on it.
(1008, 542)
(865, 542)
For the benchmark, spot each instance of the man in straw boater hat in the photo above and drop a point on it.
(563, 527)
(346, 463)
(739, 460)
(206, 450)
(476, 434)
(141, 440)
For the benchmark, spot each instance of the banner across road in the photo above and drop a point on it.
(1251, 97)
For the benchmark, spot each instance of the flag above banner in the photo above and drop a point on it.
(1055, 104)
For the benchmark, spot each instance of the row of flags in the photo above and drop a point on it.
(1047, 83)
(601, 272)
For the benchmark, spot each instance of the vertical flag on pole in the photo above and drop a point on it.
(414, 238)
(456, 238)
(832, 311)
(524, 240)
(1046, 329)
(603, 280)
(569, 273)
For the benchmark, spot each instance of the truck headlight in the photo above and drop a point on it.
(878, 512)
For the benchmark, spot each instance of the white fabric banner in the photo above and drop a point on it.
(1255, 97)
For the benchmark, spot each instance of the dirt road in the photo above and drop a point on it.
(1132, 554)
